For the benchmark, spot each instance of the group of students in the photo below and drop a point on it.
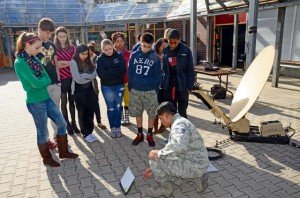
(148, 75)
(156, 79)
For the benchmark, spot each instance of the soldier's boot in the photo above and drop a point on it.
(202, 182)
(164, 189)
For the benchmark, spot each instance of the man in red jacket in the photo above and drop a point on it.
(118, 39)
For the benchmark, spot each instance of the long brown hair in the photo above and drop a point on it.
(24, 38)
(87, 64)
(56, 40)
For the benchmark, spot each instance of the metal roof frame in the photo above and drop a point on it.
(82, 13)
(214, 8)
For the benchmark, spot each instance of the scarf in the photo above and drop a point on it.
(33, 62)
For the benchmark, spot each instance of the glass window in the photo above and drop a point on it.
(14, 12)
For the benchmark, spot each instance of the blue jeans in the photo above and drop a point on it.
(40, 112)
(113, 96)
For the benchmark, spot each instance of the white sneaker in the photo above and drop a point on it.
(94, 137)
(89, 138)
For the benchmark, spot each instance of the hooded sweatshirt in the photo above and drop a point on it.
(111, 69)
(144, 71)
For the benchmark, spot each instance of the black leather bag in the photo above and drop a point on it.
(218, 92)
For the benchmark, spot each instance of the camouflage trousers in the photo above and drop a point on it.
(175, 170)
(142, 100)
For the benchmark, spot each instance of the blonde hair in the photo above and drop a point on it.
(166, 33)
(105, 42)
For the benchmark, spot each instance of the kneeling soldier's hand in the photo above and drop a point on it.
(153, 155)
(147, 173)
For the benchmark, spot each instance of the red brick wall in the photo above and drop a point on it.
(202, 36)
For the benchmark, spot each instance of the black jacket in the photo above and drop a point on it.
(185, 68)
(111, 69)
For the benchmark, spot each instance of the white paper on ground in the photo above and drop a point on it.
(127, 180)
(211, 168)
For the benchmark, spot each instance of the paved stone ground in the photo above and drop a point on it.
(248, 170)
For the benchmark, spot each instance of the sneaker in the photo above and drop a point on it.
(94, 137)
(126, 117)
(126, 122)
(118, 132)
(52, 145)
(89, 138)
(113, 133)
(138, 139)
(150, 140)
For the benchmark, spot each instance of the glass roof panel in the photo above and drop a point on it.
(35, 6)
(35, 10)
(114, 17)
(29, 12)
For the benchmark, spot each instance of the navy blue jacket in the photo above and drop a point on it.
(144, 71)
(111, 69)
(185, 68)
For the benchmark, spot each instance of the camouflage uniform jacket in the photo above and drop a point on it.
(185, 144)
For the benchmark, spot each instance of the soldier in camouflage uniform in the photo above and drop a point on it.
(184, 157)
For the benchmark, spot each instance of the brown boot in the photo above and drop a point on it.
(62, 144)
(46, 155)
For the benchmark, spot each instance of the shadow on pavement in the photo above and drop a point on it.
(7, 76)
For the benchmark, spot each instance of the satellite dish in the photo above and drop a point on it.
(252, 83)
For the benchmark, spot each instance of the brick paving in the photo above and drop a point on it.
(248, 170)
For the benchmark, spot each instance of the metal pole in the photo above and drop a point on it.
(235, 41)
(81, 35)
(278, 46)
(137, 31)
(8, 44)
(252, 31)
(184, 30)
(86, 36)
(193, 32)
(208, 39)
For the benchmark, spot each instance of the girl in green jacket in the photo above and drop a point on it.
(35, 81)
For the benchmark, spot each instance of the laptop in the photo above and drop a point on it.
(208, 66)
